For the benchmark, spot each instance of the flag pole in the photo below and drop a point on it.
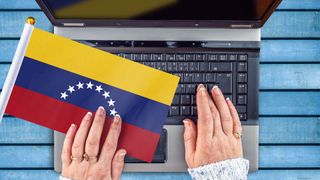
(15, 66)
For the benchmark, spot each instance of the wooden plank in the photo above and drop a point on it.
(299, 5)
(290, 103)
(19, 4)
(272, 76)
(289, 76)
(270, 156)
(15, 22)
(271, 50)
(273, 130)
(292, 24)
(285, 4)
(289, 51)
(293, 130)
(17, 131)
(282, 24)
(259, 175)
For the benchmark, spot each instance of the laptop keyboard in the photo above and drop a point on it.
(228, 71)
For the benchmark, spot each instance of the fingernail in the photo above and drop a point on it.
(100, 110)
(116, 118)
(186, 123)
(227, 99)
(73, 126)
(122, 155)
(88, 116)
(200, 86)
(216, 90)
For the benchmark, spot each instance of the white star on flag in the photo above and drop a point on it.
(64, 95)
(89, 85)
(98, 88)
(111, 102)
(113, 112)
(71, 89)
(80, 85)
(106, 94)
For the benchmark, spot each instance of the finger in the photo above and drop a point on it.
(111, 142)
(190, 137)
(216, 116)
(118, 163)
(236, 120)
(93, 140)
(67, 145)
(205, 120)
(81, 136)
(225, 116)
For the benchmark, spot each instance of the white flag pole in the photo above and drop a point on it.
(15, 66)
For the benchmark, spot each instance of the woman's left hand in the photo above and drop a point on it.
(81, 158)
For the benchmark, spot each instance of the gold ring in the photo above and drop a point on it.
(76, 158)
(87, 157)
(238, 135)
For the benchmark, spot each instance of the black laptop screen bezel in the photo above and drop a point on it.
(160, 23)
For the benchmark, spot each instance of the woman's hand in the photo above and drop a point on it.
(217, 136)
(81, 158)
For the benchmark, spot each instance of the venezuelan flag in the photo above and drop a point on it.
(60, 80)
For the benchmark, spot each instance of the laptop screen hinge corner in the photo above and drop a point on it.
(73, 24)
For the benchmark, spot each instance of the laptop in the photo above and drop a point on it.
(208, 42)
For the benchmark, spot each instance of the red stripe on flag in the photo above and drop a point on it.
(138, 142)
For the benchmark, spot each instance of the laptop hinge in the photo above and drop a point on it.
(73, 24)
(241, 25)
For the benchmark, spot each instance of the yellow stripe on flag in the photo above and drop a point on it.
(102, 66)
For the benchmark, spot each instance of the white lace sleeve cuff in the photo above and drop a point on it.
(64, 178)
(231, 169)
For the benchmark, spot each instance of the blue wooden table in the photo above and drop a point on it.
(289, 98)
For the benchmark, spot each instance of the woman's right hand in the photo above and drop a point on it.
(217, 135)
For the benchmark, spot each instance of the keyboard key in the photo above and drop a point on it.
(198, 77)
(243, 57)
(146, 57)
(242, 88)
(200, 57)
(242, 99)
(243, 116)
(171, 66)
(182, 66)
(157, 57)
(225, 82)
(188, 77)
(211, 77)
(181, 88)
(222, 57)
(241, 109)
(190, 57)
(223, 66)
(204, 66)
(191, 88)
(185, 99)
(232, 57)
(185, 110)
(176, 100)
(193, 99)
(242, 67)
(212, 57)
(193, 66)
(174, 111)
(194, 111)
(136, 57)
(242, 78)
(180, 57)
(170, 57)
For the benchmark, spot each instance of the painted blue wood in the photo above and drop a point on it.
(299, 5)
(292, 24)
(15, 22)
(289, 76)
(293, 130)
(271, 50)
(284, 24)
(290, 51)
(270, 156)
(19, 4)
(14, 131)
(259, 175)
(272, 76)
(290, 103)
(273, 130)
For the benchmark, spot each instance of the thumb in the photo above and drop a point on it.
(190, 136)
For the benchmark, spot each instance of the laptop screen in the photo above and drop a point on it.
(159, 9)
